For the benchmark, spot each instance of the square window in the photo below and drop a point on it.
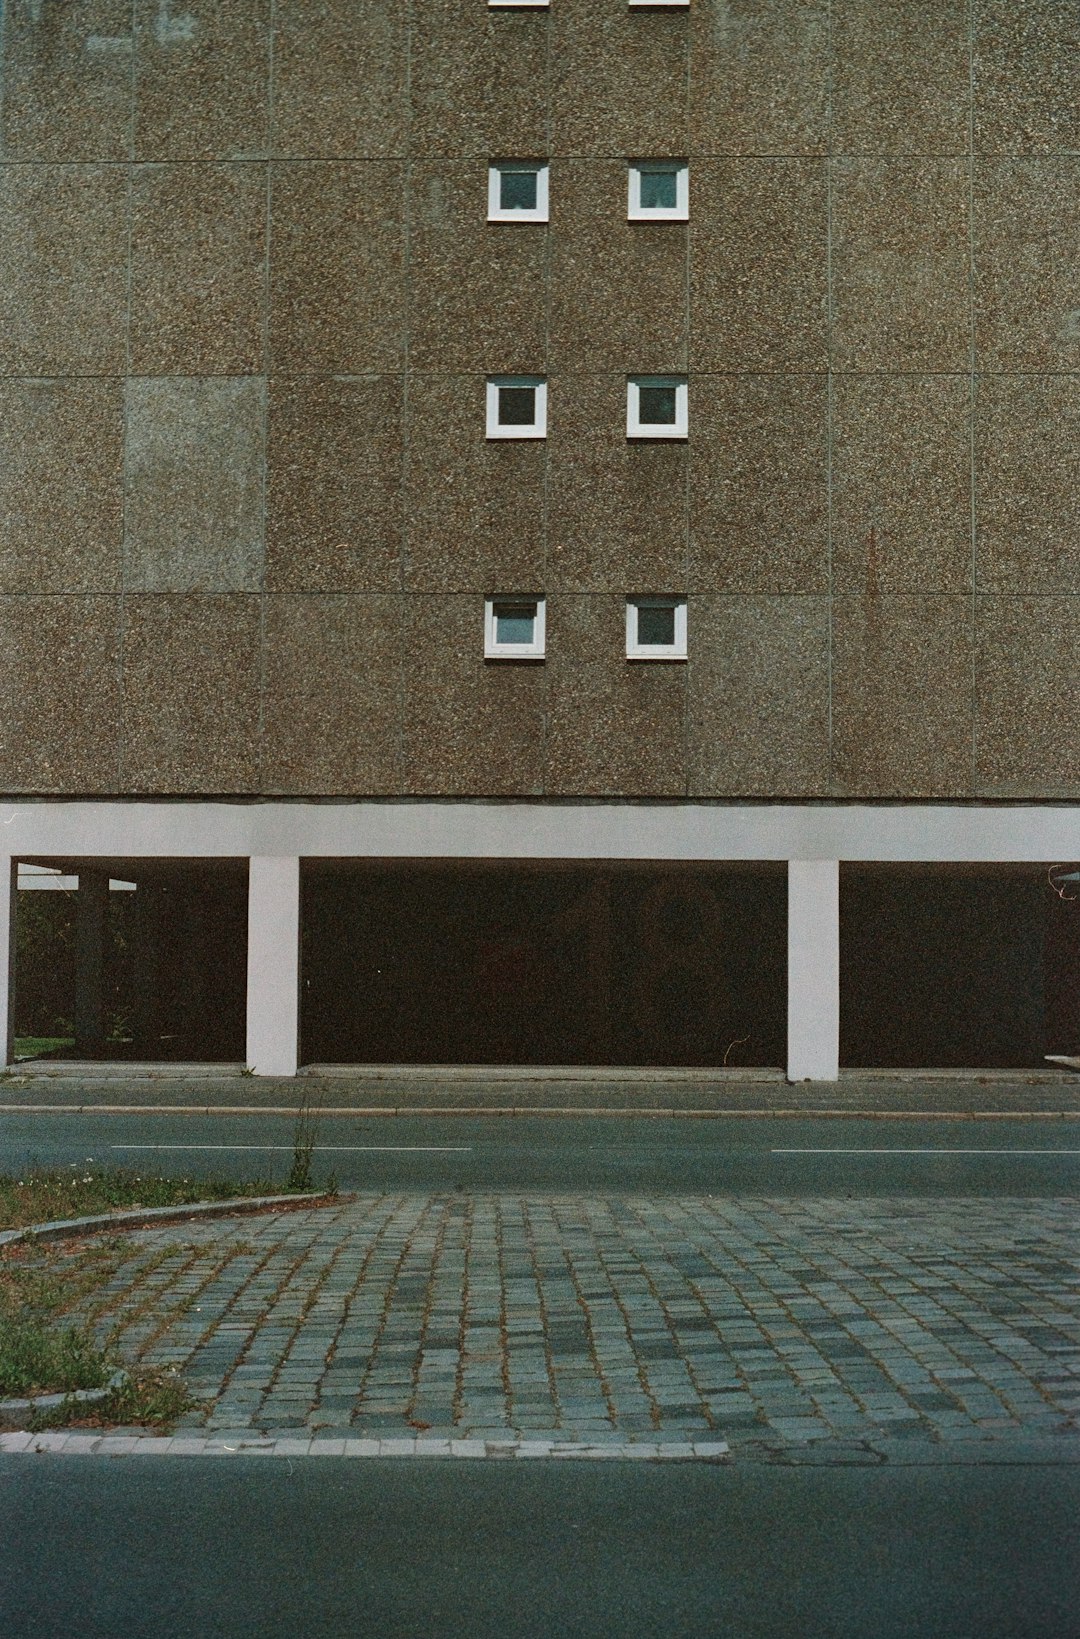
(514, 628)
(517, 190)
(659, 190)
(656, 628)
(516, 407)
(657, 407)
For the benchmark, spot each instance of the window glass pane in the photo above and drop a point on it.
(656, 406)
(517, 406)
(656, 625)
(658, 191)
(515, 622)
(517, 190)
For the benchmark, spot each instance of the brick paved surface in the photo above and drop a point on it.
(786, 1322)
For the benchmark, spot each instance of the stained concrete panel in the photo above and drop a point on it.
(61, 485)
(760, 77)
(615, 727)
(901, 697)
(471, 727)
(334, 484)
(198, 269)
(1027, 707)
(1026, 232)
(758, 499)
(66, 92)
(1027, 439)
(202, 79)
(59, 696)
(340, 76)
(63, 269)
(190, 694)
(194, 480)
(901, 484)
(900, 264)
(758, 710)
(332, 695)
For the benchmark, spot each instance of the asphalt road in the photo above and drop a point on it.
(100, 1547)
(788, 1157)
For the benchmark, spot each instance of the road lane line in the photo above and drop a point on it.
(319, 1149)
(898, 1150)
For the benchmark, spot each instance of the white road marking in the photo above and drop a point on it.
(899, 1151)
(320, 1149)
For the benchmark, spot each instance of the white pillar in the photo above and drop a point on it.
(7, 955)
(273, 968)
(813, 1050)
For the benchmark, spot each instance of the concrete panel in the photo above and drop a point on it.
(332, 695)
(61, 485)
(1027, 708)
(758, 696)
(618, 80)
(194, 477)
(901, 77)
(477, 290)
(198, 269)
(760, 77)
(901, 712)
(615, 727)
(1026, 233)
(190, 694)
(479, 82)
(759, 238)
(334, 476)
(616, 508)
(901, 484)
(474, 506)
(900, 264)
(59, 705)
(758, 498)
(63, 269)
(202, 74)
(340, 79)
(608, 273)
(471, 727)
(67, 80)
(337, 283)
(1024, 77)
(1027, 434)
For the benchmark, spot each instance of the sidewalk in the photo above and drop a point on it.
(390, 1090)
(833, 1330)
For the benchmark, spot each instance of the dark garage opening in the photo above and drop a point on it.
(463, 962)
(963, 966)
(131, 959)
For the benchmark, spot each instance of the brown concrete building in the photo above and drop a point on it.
(363, 363)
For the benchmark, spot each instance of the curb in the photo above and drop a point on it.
(45, 1402)
(63, 1228)
(292, 1445)
(636, 1112)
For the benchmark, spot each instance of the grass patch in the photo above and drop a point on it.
(38, 1359)
(153, 1397)
(32, 1047)
(39, 1286)
(42, 1194)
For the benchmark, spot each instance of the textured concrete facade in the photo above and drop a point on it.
(248, 301)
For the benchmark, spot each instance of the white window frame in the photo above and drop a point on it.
(643, 5)
(533, 5)
(537, 428)
(494, 650)
(497, 167)
(636, 428)
(637, 212)
(655, 651)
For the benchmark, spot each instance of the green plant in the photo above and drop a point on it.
(305, 1131)
(36, 1359)
(152, 1396)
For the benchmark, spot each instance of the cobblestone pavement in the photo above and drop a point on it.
(779, 1321)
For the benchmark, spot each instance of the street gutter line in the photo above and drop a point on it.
(318, 1149)
(897, 1150)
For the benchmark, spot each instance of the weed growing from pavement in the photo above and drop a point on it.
(152, 1397)
(305, 1131)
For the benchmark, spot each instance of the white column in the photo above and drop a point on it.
(273, 970)
(7, 955)
(813, 1050)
